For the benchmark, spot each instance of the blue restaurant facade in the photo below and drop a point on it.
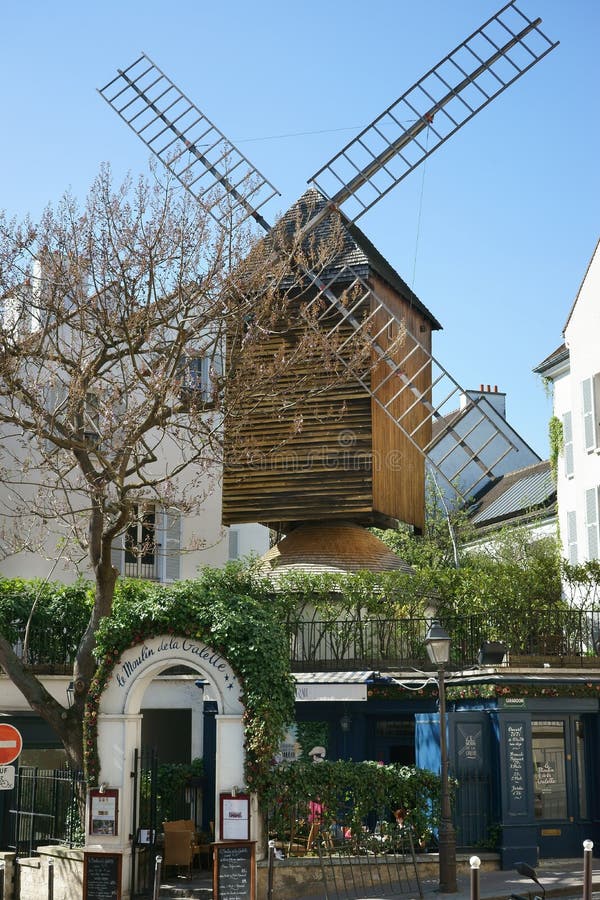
(523, 751)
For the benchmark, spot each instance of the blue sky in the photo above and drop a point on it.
(495, 232)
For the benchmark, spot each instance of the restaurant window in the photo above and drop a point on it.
(581, 781)
(549, 776)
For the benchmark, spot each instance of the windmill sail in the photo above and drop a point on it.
(432, 110)
(188, 144)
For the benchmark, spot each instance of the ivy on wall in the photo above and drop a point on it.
(231, 612)
(556, 441)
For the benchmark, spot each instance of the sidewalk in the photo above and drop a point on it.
(560, 878)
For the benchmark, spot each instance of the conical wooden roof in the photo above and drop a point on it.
(339, 547)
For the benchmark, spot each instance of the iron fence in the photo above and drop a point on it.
(52, 650)
(45, 807)
(336, 645)
(355, 857)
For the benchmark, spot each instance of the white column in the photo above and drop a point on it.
(118, 737)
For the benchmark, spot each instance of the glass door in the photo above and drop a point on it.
(559, 783)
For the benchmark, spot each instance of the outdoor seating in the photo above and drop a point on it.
(181, 843)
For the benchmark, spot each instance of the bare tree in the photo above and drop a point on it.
(104, 310)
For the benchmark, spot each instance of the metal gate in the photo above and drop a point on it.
(44, 807)
(144, 825)
(368, 863)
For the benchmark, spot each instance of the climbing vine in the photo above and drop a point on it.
(229, 610)
(556, 440)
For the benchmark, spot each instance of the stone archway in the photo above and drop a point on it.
(119, 726)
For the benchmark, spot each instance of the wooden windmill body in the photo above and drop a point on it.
(336, 455)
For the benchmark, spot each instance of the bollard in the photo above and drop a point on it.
(50, 879)
(157, 874)
(270, 870)
(475, 863)
(588, 846)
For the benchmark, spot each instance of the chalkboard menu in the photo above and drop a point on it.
(517, 776)
(233, 870)
(101, 875)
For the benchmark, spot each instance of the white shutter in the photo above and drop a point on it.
(117, 553)
(170, 545)
(591, 518)
(234, 541)
(590, 392)
(568, 444)
(572, 537)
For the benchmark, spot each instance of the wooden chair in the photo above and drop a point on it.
(180, 848)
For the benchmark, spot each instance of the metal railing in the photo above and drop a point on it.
(338, 645)
(44, 807)
(46, 649)
(373, 643)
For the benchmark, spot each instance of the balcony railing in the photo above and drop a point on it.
(557, 636)
(560, 637)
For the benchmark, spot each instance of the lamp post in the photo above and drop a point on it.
(437, 643)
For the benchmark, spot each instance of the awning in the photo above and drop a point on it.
(338, 687)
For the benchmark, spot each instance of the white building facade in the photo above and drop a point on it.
(574, 372)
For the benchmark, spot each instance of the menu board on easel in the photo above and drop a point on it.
(101, 875)
(234, 868)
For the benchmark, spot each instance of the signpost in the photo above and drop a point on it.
(11, 743)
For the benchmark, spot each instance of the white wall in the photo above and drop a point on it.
(582, 337)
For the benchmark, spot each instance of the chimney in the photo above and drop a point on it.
(496, 398)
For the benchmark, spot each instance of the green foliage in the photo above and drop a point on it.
(55, 606)
(231, 610)
(581, 583)
(435, 548)
(556, 441)
(312, 734)
(350, 791)
(171, 780)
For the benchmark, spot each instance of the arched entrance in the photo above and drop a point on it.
(119, 727)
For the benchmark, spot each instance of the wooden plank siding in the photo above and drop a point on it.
(313, 460)
(398, 466)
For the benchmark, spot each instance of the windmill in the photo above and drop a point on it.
(402, 386)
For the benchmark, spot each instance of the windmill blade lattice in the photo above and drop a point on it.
(436, 106)
(188, 144)
(406, 359)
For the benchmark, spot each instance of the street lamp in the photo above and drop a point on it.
(437, 643)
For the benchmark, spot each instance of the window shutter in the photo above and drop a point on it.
(234, 542)
(568, 444)
(589, 415)
(591, 518)
(116, 553)
(170, 550)
(572, 537)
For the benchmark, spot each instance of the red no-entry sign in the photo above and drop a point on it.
(11, 743)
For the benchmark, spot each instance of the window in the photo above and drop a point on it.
(140, 547)
(549, 775)
(590, 388)
(201, 378)
(151, 546)
(87, 418)
(592, 523)
(567, 420)
(572, 537)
